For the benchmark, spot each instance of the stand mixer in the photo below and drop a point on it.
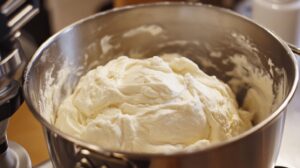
(13, 15)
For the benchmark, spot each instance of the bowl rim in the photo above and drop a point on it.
(96, 148)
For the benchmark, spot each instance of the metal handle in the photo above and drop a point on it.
(16, 13)
(89, 159)
(295, 49)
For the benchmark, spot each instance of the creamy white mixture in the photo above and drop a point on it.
(159, 104)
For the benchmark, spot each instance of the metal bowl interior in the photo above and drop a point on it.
(207, 35)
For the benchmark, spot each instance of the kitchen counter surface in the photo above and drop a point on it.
(24, 129)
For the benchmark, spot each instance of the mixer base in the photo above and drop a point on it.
(15, 157)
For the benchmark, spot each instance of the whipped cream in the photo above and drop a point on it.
(155, 105)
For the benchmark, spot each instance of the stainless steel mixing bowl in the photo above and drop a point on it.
(206, 34)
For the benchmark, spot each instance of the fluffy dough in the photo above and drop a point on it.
(154, 105)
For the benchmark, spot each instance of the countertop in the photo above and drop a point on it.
(24, 129)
